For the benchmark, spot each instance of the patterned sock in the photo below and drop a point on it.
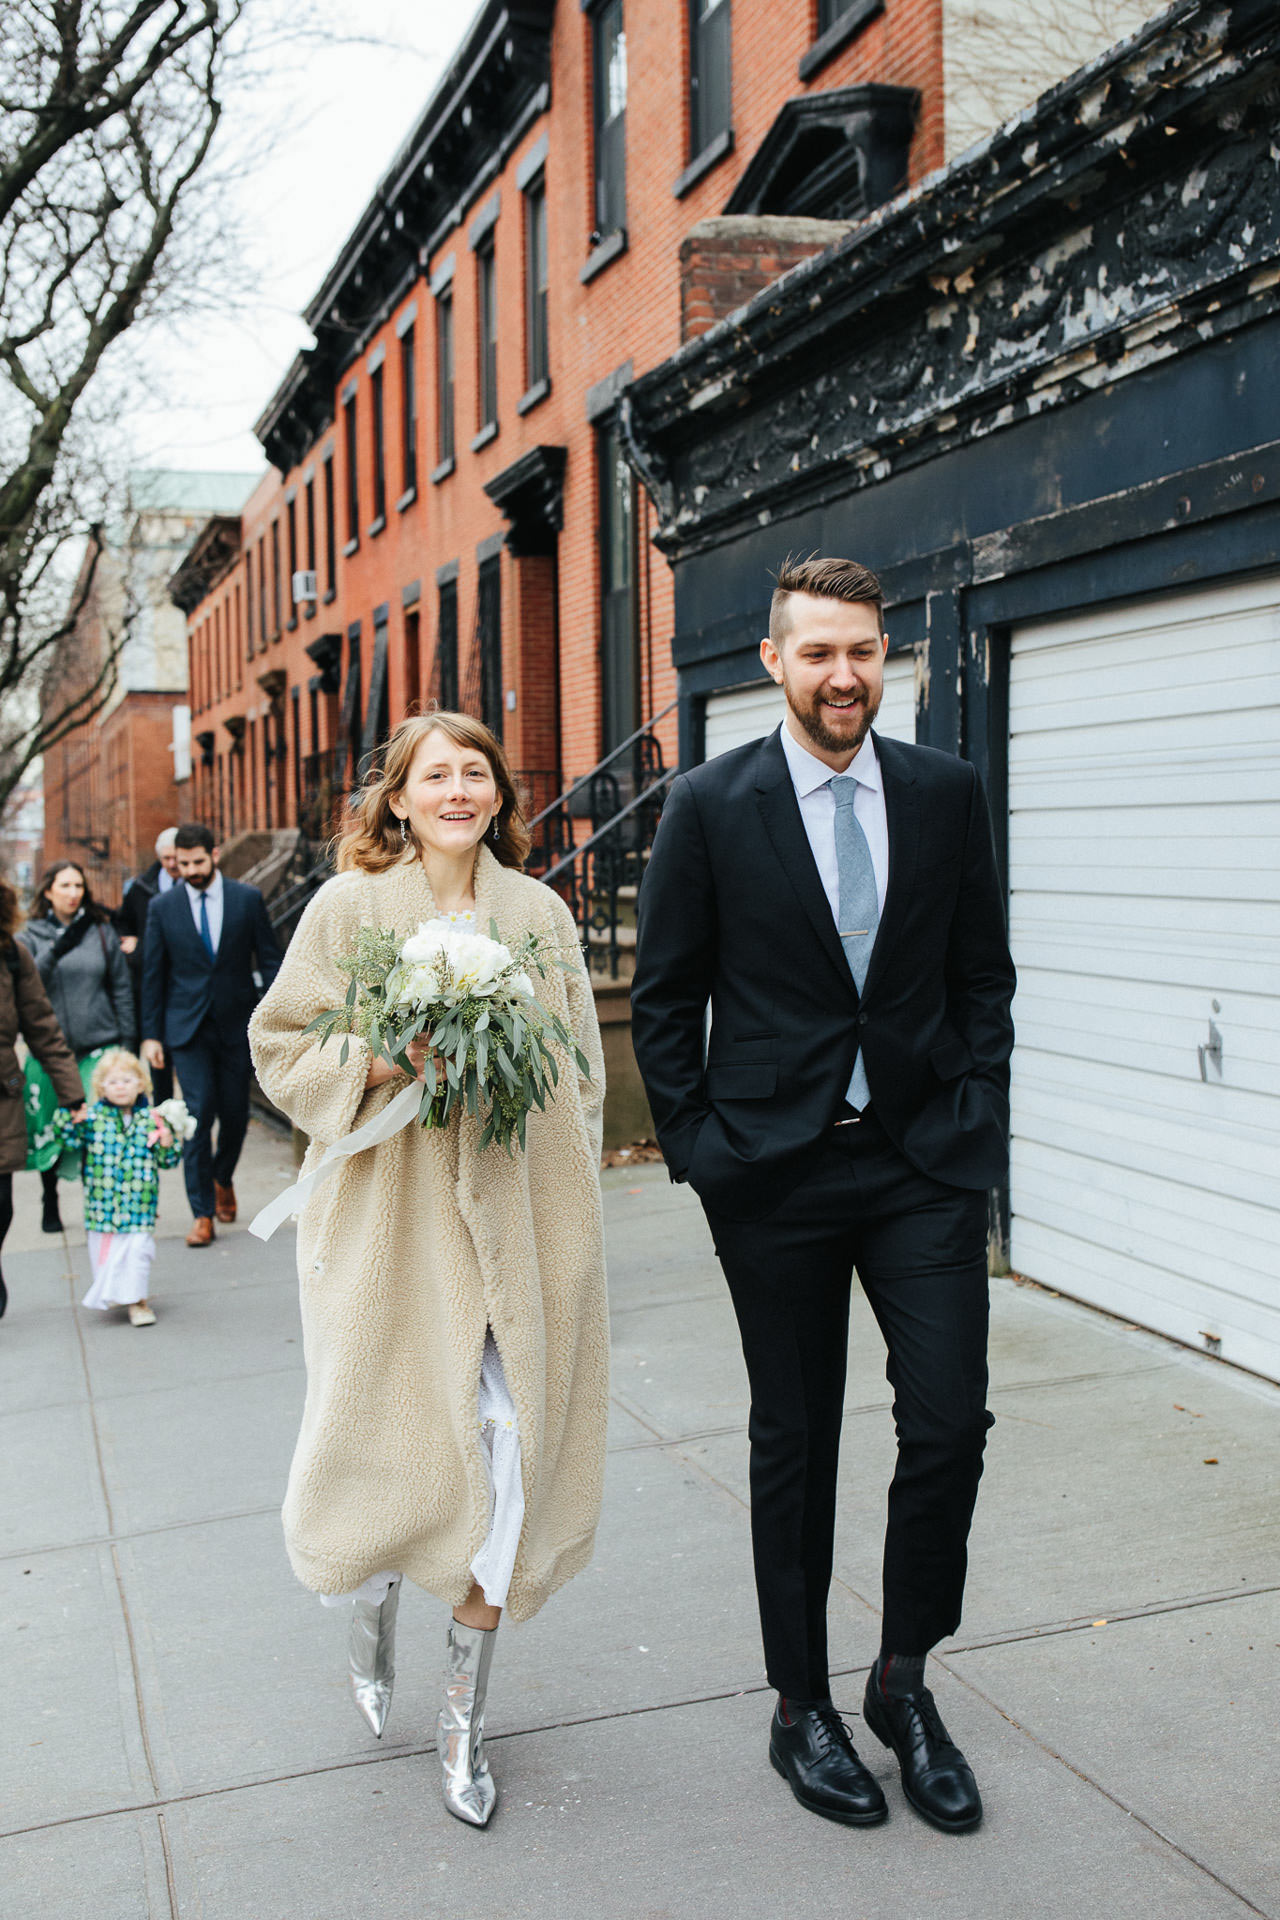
(896, 1674)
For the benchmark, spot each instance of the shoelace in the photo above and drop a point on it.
(926, 1707)
(830, 1725)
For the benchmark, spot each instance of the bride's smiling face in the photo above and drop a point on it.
(450, 795)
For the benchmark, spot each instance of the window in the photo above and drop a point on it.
(408, 414)
(291, 511)
(709, 71)
(353, 492)
(379, 451)
(444, 379)
(609, 103)
(489, 644)
(446, 671)
(295, 707)
(239, 623)
(309, 529)
(535, 282)
(619, 658)
(249, 600)
(487, 333)
(275, 579)
(412, 661)
(262, 594)
(330, 535)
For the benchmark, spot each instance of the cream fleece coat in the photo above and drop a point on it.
(411, 1249)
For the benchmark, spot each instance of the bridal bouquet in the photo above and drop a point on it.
(471, 1000)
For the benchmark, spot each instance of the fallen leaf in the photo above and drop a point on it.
(1190, 1410)
(1099, 1623)
(1212, 1461)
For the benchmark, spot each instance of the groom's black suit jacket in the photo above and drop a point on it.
(733, 912)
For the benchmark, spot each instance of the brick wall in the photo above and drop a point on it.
(635, 311)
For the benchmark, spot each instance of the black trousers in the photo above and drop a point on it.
(214, 1071)
(921, 1255)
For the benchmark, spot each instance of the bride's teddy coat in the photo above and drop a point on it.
(411, 1248)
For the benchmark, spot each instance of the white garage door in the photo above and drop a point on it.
(1144, 872)
(744, 713)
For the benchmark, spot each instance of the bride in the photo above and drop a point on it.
(453, 1300)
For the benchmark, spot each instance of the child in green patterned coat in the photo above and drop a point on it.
(123, 1144)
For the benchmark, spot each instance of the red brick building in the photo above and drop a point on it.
(449, 459)
(113, 784)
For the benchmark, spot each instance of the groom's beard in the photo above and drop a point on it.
(833, 740)
(200, 880)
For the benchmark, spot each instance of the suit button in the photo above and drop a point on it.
(862, 1019)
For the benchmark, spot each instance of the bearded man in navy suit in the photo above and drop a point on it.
(203, 940)
(833, 897)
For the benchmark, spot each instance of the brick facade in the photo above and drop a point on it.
(269, 696)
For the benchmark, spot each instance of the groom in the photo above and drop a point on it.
(834, 897)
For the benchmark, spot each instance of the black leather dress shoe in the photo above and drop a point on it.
(936, 1777)
(811, 1749)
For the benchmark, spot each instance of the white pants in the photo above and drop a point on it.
(500, 1443)
(121, 1268)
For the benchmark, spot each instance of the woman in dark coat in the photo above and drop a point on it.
(83, 970)
(25, 1010)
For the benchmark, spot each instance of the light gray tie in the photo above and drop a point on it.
(859, 908)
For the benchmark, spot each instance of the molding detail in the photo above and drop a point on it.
(530, 495)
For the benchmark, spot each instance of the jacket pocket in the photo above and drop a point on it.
(951, 1059)
(741, 1080)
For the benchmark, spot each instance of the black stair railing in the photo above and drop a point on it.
(599, 876)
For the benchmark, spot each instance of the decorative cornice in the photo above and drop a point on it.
(211, 556)
(530, 494)
(1131, 214)
(832, 155)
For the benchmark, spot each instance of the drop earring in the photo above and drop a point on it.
(494, 829)
(404, 833)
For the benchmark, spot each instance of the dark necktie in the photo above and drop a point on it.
(205, 934)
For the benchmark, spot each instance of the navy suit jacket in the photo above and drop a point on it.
(181, 985)
(733, 912)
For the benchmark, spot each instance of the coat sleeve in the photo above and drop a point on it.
(265, 944)
(675, 962)
(41, 953)
(39, 1027)
(155, 974)
(980, 974)
(120, 987)
(306, 1080)
(586, 1030)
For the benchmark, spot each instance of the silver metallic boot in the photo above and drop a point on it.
(469, 1792)
(372, 1652)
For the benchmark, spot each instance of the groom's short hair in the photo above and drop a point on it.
(825, 579)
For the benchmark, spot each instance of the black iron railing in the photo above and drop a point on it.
(320, 792)
(599, 875)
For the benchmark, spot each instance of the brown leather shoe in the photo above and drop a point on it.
(224, 1202)
(201, 1231)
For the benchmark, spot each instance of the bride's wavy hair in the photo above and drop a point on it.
(372, 841)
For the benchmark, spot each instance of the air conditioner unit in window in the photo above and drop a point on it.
(304, 586)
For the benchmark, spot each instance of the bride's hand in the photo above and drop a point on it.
(380, 1071)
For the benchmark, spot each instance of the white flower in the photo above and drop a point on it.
(521, 983)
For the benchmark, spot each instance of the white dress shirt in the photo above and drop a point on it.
(164, 880)
(812, 779)
(213, 894)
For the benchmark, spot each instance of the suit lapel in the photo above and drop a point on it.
(780, 811)
(902, 816)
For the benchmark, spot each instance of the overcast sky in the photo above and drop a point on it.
(342, 112)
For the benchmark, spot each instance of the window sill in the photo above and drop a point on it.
(375, 526)
(309, 611)
(443, 471)
(330, 595)
(603, 254)
(838, 35)
(487, 433)
(697, 169)
(407, 498)
(528, 401)
(352, 546)
(292, 623)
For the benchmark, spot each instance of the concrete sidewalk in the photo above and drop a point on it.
(178, 1739)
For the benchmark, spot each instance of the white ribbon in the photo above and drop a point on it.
(392, 1119)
